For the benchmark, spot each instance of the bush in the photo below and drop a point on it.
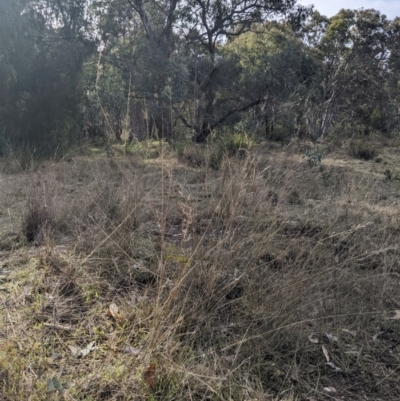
(237, 144)
(361, 149)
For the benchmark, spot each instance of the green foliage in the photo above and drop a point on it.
(376, 119)
(237, 144)
(105, 105)
(232, 144)
(313, 158)
(129, 149)
(355, 48)
(54, 385)
(169, 71)
(188, 77)
(268, 63)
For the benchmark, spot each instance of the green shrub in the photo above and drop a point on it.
(377, 121)
(313, 158)
(237, 144)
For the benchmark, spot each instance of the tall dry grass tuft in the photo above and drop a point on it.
(40, 220)
(261, 278)
(198, 284)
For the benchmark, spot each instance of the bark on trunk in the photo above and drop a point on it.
(118, 131)
(138, 126)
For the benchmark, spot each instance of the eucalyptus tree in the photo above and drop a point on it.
(269, 69)
(353, 47)
(331, 42)
(366, 93)
(393, 74)
(205, 26)
(208, 26)
(145, 54)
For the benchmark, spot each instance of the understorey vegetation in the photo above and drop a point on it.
(148, 276)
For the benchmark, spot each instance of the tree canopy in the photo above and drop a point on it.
(77, 69)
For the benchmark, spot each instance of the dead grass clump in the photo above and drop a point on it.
(39, 219)
(11, 241)
(193, 155)
(362, 149)
(106, 212)
(233, 303)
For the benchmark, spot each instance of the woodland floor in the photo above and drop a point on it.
(148, 278)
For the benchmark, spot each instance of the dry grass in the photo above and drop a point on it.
(148, 279)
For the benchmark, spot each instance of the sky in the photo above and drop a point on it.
(331, 7)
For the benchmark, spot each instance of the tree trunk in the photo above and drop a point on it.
(162, 123)
(118, 130)
(137, 122)
(202, 134)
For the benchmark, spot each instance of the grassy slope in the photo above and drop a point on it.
(197, 284)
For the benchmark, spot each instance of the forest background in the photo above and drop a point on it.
(73, 70)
